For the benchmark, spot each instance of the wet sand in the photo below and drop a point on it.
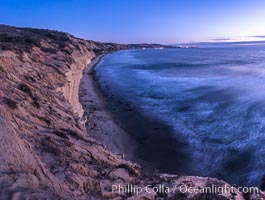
(125, 130)
(100, 123)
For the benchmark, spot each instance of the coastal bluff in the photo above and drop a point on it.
(45, 151)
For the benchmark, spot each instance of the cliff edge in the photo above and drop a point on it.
(45, 152)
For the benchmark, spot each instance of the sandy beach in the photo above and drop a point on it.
(100, 123)
(125, 130)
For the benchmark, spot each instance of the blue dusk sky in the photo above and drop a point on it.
(135, 21)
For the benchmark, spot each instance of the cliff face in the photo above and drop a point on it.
(42, 143)
(45, 152)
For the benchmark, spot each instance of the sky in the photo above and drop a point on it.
(137, 21)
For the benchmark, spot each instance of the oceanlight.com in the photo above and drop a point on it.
(162, 189)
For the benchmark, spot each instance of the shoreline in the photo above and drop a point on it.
(45, 150)
(100, 123)
(124, 130)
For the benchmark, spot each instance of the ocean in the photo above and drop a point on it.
(212, 98)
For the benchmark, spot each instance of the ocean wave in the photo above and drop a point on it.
(212, 99)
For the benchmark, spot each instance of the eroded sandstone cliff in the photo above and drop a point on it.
(45, 152)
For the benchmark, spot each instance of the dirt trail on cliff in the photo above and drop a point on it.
(45, 152)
